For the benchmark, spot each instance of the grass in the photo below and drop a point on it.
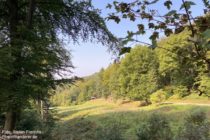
(193, 98)
(100, 113)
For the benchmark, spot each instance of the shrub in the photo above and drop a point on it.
(111, 131)
(78, 129)
(156, 127)
(180, 91)
(31, 120)
(158, 97)
(27, 122)
(168, 90)
(195, 127)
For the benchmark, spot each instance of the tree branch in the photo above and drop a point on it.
(30, 13)
(188, 17)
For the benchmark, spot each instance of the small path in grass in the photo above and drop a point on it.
(188, 103)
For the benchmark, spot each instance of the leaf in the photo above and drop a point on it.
(208, 54)
(115, 18)
(109, 6)
(131, 16)
(124, 16)
(141, 28)
(125, 41)
(138, 10)
(124, 7)
(187, 4)
(151, 25)
(168, 32)
(115, 3)
(154, 36)
(179, 29)
(130, 34)
(154, 1)
(170, 13)
(168, 4)
(125, 50)
(154, 44)
(206, 34)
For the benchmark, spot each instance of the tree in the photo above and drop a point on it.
(114, 84)
(174, 21)
(139, 73)
(176, 59)
(31, 48)
(110, 80)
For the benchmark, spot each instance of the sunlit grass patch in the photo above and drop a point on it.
(101, 113)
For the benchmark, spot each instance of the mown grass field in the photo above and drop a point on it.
(81, 121)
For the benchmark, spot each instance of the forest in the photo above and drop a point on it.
(157, 87)
(145, 74)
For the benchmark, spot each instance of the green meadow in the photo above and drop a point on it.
(85, 121)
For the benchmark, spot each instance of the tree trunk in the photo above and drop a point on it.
(208, 68)
(30, 13)
(41, 110)
(147, 102)
(39, 106)
(10, 120)
(11, 114)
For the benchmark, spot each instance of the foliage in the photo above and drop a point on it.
(147, 17)
(62, 97)
(204, 84)
(173, 66)
(196, 127)
(111, 131)
(156, 127)
(27, 122)
(143, 71)
(175, 60)
(32, 49)
(184, 54)
(81, 130)
(158, 96)
(180, 91)
(139, 79)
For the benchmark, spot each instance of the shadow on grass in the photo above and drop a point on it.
(86, 127)
(175, 110)
(73, 111)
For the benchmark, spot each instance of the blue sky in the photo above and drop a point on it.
(89, 58)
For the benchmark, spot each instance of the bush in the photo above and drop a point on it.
(156, 127)
(180, 91)
(111, 131)
(195, 127)
(27, 122)
(158, 97)
(78, 129)
(31, 120)
(168, 90)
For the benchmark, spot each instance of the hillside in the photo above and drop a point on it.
(87, 120)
